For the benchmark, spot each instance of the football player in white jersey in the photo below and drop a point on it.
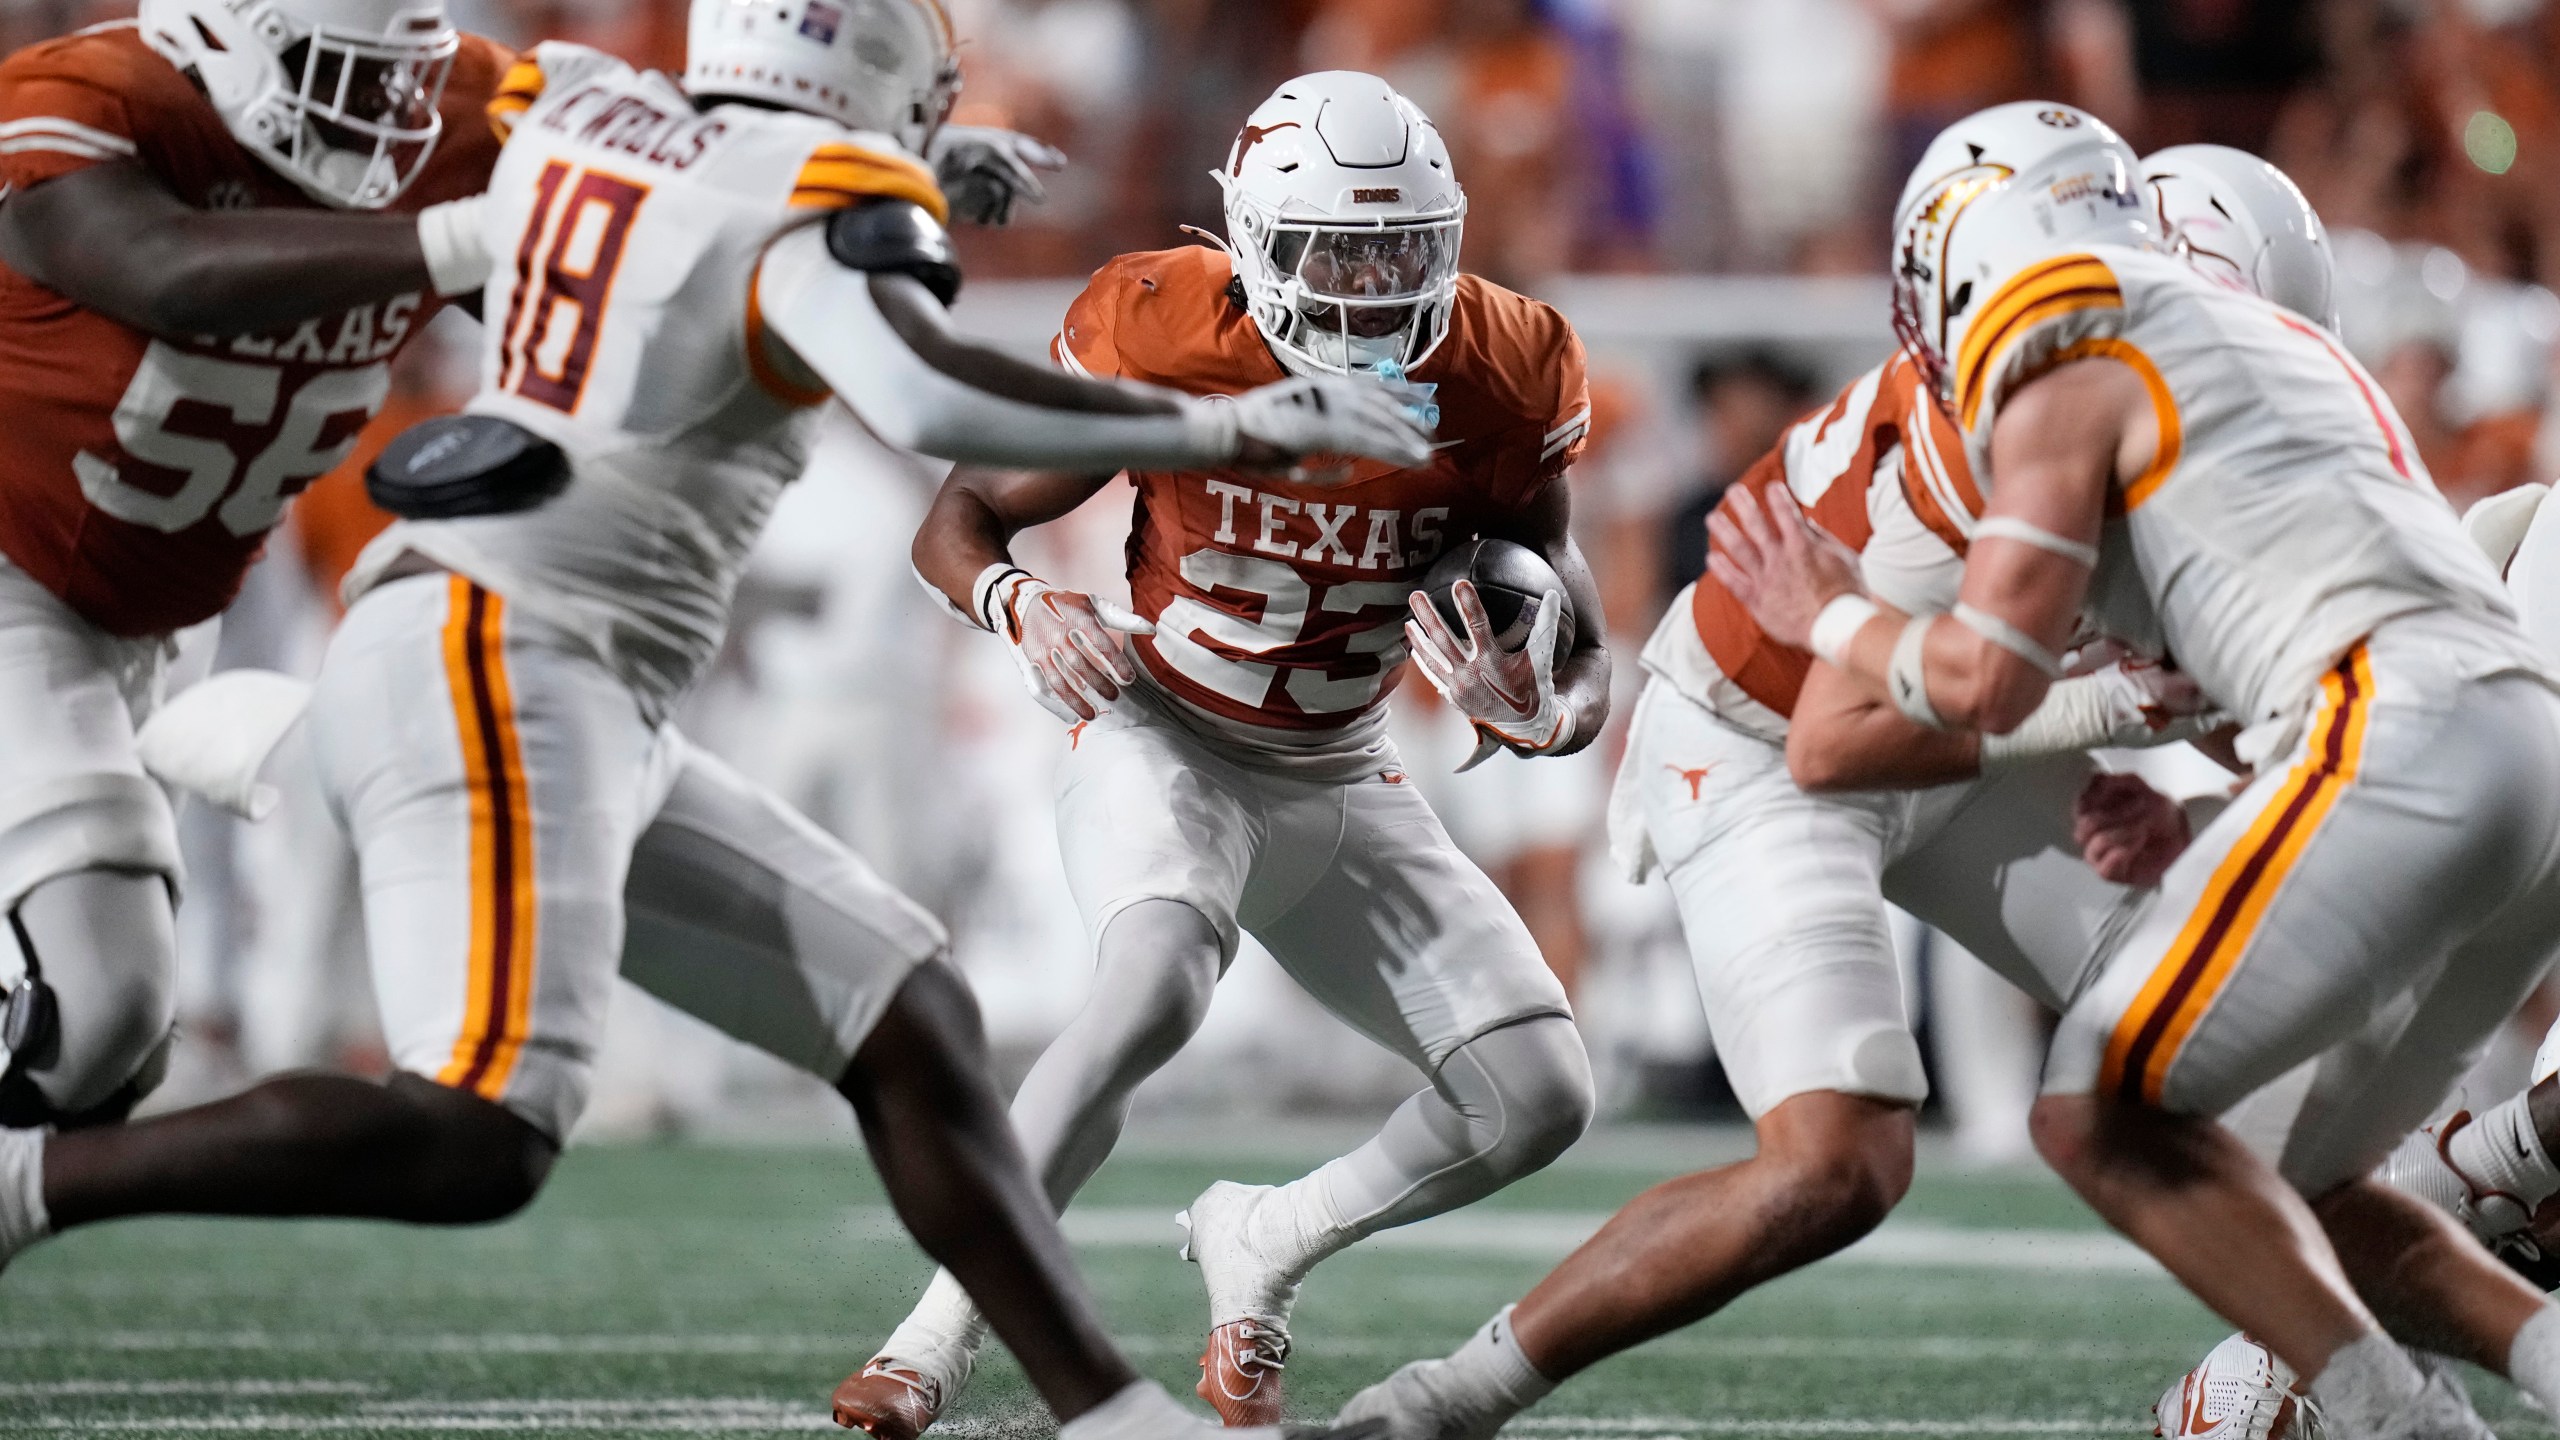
(1228, 771)
(1749, 780)
(2161, 448)
(683, 272)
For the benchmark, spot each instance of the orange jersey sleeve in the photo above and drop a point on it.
(77, 101)
(1530, 386)
(1884, 421)
(145, 471)
(1280, 601)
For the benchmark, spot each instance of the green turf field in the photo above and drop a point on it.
(683, 1290)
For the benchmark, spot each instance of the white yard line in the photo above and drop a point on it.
(1552, 1426)
(1957, 1349)
(227, 1389)
(748, 1416)
(1550, 1234)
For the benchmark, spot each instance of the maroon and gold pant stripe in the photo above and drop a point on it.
(2183, 986)
(499, 1005)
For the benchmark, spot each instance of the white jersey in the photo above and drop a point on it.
(2287, 516)
(621, 325)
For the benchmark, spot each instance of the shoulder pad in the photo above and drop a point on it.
(897, 237)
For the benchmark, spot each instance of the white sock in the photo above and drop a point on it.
(2365, 1384)
(1491, 1364)
(941, 1336)
(1142, 1410)
(23, 1218)
(2501, 1151)
(1298, 1226)
(2533, 1358)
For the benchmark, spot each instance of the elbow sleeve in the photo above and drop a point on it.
(828, 316)
(896, 237)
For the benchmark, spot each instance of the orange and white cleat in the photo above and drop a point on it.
(1250, 1296)
(889, 1400)
(1240, 1372)
(2240, 1392)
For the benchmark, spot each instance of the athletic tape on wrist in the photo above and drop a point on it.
(2077, 714)
(1838, 624)
(456, 251)
(2008, 637)
(1906, 676)
(2010, 527)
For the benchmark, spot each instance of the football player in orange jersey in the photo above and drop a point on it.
(1233, 775)
(221, 222)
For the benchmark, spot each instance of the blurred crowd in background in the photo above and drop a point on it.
(1614, 151)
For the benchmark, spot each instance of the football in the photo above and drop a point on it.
(1508, 579)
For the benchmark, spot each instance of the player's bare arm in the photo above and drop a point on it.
(861, 302)
(115, 239)
(1987, 666)
(1844, 736)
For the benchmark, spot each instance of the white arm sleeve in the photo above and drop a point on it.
(826, 314)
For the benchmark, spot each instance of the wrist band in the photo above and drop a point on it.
(982, 592)
(1907, 679)
(1838, 624)
(456, 250)
(1210, 422)
(2010, 527)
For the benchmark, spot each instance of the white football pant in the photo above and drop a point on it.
(522, 835)
(1782, 896)
(2381, 898)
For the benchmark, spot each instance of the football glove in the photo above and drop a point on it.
(1508, 695)
(1333, 415)
(985, 171)
(1066, 645)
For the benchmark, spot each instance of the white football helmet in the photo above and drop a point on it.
(1996, 192)
(883, 65)
(2242, 221)
(1344, 217)
(338, 96)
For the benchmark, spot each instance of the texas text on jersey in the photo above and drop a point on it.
(1281, 602)
(1832, 458)
(144, 471)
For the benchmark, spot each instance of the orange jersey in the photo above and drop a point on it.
(139, 475)
(1282, 603)
(1885, 422)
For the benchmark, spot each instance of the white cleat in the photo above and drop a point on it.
(2240, 1392)
(1249, 1303)
(2422, 1167)
(1428, 1400)
(23, 1221)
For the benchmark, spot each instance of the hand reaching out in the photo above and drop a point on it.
(1780, 565)
(2127, 831)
